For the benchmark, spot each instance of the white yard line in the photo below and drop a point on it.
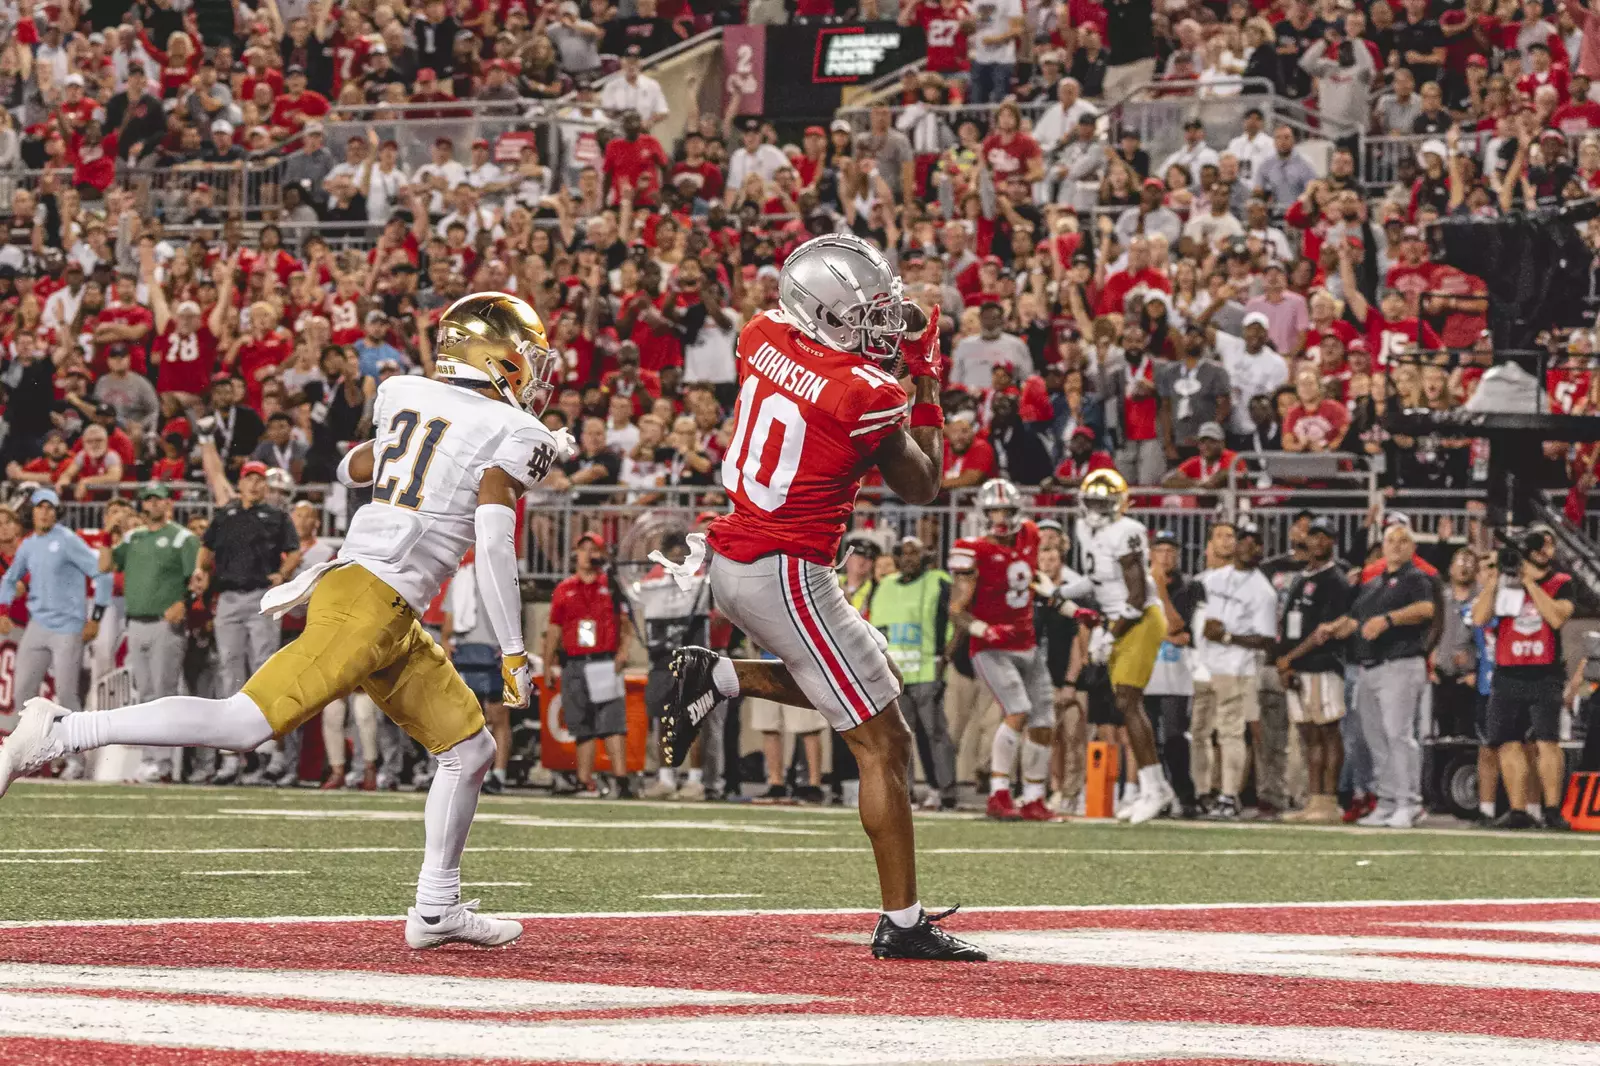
(1042, 908)
(704, 895)
(244, 873)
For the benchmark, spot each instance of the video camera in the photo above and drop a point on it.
(1511, 552)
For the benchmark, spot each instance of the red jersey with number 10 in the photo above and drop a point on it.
(1004, 592)
(806, 426)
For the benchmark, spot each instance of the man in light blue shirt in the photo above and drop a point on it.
(55, 561)
(373, 350)
(1285, 175)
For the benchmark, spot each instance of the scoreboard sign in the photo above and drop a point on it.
(801, 72)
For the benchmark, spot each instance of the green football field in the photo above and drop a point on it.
(107, 852)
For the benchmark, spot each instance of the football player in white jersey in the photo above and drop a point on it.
(450, 459)
(1117, 551)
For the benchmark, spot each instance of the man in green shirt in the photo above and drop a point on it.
(912, 610)
(155, 559)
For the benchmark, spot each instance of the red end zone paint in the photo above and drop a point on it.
(1425, 974)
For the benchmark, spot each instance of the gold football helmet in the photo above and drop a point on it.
(493, 338)
(1103, 497)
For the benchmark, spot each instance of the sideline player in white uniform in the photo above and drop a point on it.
(450, 458)
(1118, 552)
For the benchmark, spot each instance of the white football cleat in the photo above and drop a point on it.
(1130, 799)
(1151, 802)
(461, 923)
(33, 743)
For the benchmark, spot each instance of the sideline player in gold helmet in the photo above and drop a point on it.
(450, 458)
(1117, 551)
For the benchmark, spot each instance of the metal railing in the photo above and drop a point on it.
(631, 521)
(165, 192)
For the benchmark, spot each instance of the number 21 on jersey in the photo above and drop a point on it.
(752, 440)
(398, 460)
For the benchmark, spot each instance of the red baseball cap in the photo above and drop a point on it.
(427, 74)
(1477, 61)
(1155, 183)
(254, 466)
(591, 536)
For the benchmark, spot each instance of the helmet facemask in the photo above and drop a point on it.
(544, 366)
(879, 323)
(1099, 511)
(1003, 521)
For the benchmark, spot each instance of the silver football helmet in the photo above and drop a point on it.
(841, 292)
(280, 487)
(1001, 503)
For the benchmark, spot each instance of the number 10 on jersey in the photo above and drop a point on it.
(742, 466)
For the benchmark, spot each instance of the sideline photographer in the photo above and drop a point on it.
(1528, 601)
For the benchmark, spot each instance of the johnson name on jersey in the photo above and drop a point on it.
(807, 422)
(1104, 550)
(1002, 597)
(432, 444)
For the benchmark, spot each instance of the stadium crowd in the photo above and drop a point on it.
(1248, 293)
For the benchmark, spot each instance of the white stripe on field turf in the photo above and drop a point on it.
(1038, 908)
(244, 873)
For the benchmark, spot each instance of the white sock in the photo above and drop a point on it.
(1151, 778)
(1486, 809)
(725, 677)
(906, 917)
(695, 777)
(447, 816)
(233, 724)
(1002, 757)
(667, 776)
(1535, 810)
(1035, 770)
(498, 774)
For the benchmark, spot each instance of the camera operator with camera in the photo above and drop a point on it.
(1528, 601)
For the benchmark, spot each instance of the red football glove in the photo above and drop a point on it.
(999, 634)
(922, 351)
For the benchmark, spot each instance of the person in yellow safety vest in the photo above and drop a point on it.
(911, 608)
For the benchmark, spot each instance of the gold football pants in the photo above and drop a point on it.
(361, 634)
(1133, 656)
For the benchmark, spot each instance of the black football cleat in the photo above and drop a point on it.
(694, 695)
(925, 941)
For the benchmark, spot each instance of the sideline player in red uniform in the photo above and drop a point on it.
(993, 598)
(816, 411)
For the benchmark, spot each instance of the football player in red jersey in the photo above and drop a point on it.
(993, 599)
(816, 411)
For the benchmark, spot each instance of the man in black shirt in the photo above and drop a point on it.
(1166, 703)
(248, 548)
(435, 33)
(1527, 610)
(595, 464)
(1420, 42)
(220, 148)
(1313, 673)
(1393, 613)
(645, 29)
(1296, 34)
(1131, 44)
(136, 116)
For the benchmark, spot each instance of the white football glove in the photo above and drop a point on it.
(566, 446)
(1100, 645)
(978, 629)
(517, 672)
